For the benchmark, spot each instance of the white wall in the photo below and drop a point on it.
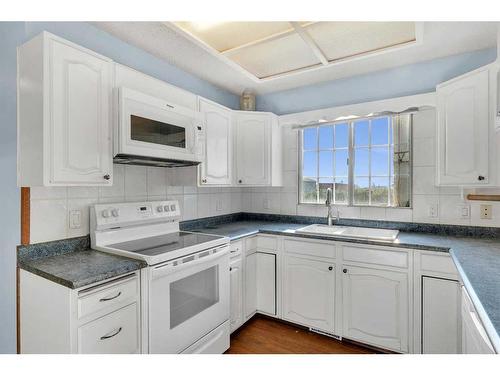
(50, 206)
(425, 193)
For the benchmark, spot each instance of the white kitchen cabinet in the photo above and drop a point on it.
(375, 307)
(441, 319)
(260, 284)
(236, 293)
(217, 141)
(258, 149)
(309, 292)
(475, 340)
(464, 135)
(102, 318)
(64, 114)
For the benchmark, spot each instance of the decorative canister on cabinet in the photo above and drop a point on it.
(247, 101)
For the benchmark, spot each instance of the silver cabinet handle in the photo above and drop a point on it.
(110, 298)
(108, 336)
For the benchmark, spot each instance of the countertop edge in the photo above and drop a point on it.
(493, 335)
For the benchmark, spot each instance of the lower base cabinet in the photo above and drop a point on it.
(309, 293)
(375, 307)
(474, 337)
(440, 316)
(260, 284)
(236, 293)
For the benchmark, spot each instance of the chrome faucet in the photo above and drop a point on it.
(328, 203)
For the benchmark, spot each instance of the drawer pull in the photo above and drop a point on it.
(108, 336)
(110, 298)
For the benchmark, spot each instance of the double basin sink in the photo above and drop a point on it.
(387, 235)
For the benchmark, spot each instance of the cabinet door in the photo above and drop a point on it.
(463, 124)
(440, 316)
(375, 307)
(236, 288)
(309, 293)
(253, 146)
(475, 340)
(250, 285)
(80, 90)
(266, 283)
(217, 164)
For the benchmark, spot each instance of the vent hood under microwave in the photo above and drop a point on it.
(151, 131)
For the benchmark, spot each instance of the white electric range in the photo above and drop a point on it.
(184, 288)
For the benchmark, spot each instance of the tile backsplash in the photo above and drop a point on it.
(51, 207)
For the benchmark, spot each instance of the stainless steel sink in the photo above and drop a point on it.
(387, 235)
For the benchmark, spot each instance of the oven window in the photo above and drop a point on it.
(193, 294)
(151, 131)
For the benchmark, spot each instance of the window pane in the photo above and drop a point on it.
(380, 161)
(341, 190)
(361, 167)
(324, 183)
(380, 131)
(341, 135)
(341, 167)
(310, 138)
(310, 163)
(380, 190)
(309, 192)
(326, 163)
(326, 137)
(361, 133)
(361, 190)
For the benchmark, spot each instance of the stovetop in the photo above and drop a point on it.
(163, 244)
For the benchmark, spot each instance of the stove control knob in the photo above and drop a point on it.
(159, 208)
(106, 213)
(166, 208)
(172, 207)
(115, 212)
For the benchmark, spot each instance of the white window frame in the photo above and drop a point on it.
(351, 163)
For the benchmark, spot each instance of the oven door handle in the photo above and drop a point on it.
(165, 269)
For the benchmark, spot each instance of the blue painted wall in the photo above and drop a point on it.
(391, 83)
(12, 34)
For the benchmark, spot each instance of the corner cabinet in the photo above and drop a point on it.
(217, 134)
(258, 149)
(466, 140)
(64, 114)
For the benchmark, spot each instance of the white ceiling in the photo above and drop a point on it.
(166, 41)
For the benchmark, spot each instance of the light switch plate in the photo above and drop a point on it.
(464, 210)
(218, 206)
(75, 219)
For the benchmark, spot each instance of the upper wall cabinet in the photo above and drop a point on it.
(217, 135)
(64, 131)
(466, 139)
(258, 149)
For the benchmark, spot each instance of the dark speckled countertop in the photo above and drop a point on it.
(477, 260)
(72, 263)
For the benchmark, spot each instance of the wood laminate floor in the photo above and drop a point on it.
(262, 335)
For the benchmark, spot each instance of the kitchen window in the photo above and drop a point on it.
(366, 162)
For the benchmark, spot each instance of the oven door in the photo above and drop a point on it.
(152, 127)
(188, 298)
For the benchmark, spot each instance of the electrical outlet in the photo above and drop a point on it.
(433, 210)
(485, 211)
(75, 219)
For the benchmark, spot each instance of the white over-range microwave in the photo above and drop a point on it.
(152, 131)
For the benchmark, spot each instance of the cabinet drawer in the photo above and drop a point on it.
(437, 263)
(311, 248)
(115, 333)
(373, 255)
(267, 242)
(109, 296)
(236, 248)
